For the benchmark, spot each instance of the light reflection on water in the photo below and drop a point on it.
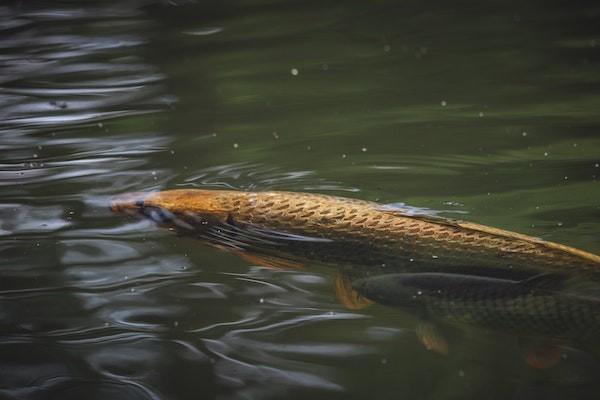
(101, 99)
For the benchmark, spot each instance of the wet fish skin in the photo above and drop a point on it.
(357, 231)
(535, 307)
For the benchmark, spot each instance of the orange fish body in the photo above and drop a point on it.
(348, 231)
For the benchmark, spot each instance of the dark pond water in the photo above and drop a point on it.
(487, 111)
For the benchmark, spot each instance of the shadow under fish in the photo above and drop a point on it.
(546, 308)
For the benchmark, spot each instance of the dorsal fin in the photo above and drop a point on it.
(549, 281)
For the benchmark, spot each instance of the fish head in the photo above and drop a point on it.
(182, 209)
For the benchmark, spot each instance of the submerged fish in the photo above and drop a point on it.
(329, 229)
(538, 306)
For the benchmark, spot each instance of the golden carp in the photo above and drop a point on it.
(343, 231)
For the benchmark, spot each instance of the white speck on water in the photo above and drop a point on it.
(172, 151)
(214, 134)
(597, 165)
(126, 277)
(235, 145)
(364, 149)
(275, 135)
(443, 103)
(294, 71)
(481, 114)
(344, 156)
(566, 177)
(308, 148)
(153, 173)
(434, 256)
(383, 265)
(35, 155)
(559, 224)
(132, 290)
(461, 373)
(261, 301)
(100, 125)
(420, 292)
(545, 154)
(325, 67)
(387, 48)
(524, 134)
(384, 361)
(574, 144)
(411, 259)
(39, 147)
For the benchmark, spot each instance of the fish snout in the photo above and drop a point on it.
(128, 203)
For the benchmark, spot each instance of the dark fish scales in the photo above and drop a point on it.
(347, 231)
(534, 307)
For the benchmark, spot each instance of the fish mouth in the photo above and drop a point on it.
(129, 203)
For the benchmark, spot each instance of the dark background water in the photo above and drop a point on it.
(485, 111)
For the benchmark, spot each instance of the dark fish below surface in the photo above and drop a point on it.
(343, 231)
(539, 306)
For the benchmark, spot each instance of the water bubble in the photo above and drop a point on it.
(100, 125)
(35, 155)
(235, 145)
(387, 48)
(344, 156)
(434, 256)
(461, 373)
(214, 134)
(294, 71)
(275, 135)
(566, 177)
(597, 165)
(308, 148)
(420, 292)
(172, 151)
(443, 103)
(261, 301)
(411, 259)
(524, 134)
(559, 224)
(132, 290)
(175, 324)
(545, 154)
(364, 149)
(481, 114)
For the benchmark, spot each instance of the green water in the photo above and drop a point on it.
(482, 111)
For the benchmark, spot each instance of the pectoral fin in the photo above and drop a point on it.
(431, 338)
(347, 296)
(542, 355)
(269, 261)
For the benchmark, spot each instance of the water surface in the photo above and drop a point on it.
(487, 112)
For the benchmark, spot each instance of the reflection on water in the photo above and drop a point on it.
(490, 113)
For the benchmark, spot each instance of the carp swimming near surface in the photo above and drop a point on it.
(538, 306)
(294, 226)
